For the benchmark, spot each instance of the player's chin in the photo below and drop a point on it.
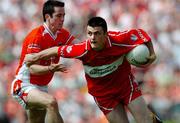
(60, 26)
(94, 46)
(97, 48)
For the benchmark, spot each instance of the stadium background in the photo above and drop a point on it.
(160, 82)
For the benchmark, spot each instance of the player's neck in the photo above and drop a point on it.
(51, 28)
(100, 47)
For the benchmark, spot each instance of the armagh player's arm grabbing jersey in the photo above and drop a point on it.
(43, 39)
(67, 51)
(35, 45)
(37, 40)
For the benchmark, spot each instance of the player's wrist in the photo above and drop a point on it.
(50, 69)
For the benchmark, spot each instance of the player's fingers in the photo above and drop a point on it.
(64, 70)
(28, 64)
(151, 58)
(59, 67)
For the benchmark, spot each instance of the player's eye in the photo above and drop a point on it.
(97, 33)
(89, 33)
(60, 15)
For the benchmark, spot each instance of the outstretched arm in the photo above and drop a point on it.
(45, 54)
(66, 51)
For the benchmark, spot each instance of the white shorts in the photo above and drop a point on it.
(20, 90)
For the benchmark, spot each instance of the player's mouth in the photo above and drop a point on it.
(93, 42)
(60, 24)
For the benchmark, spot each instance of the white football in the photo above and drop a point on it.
(138, 55)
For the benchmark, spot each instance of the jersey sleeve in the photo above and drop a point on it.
(130, 37)
(138, 35)
(33, 45)
(73, 51)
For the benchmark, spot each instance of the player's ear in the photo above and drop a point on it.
(105, 32)
(47, 16)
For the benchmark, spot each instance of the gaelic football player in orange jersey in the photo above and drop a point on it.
(29, 87)
(108, 74)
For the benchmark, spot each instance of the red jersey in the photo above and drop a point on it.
(107, 71)
(39, 39)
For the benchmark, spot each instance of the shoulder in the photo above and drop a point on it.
(64, 31)
(128, 35)
(117, 33)
(35, 35)
(125, 32)
(118, 36)
(140, 34)
(36, 32)
(34, 40)
(65, 35)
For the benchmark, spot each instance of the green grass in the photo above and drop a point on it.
(171, 121)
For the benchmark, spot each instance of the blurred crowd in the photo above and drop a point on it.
(160, 82)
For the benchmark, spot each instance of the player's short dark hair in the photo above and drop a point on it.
(98, 22)
(48, 7)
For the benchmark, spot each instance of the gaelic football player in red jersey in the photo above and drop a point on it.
(108, 74)
(29, 87)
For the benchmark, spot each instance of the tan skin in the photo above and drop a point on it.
(97, 37)
(56, 21)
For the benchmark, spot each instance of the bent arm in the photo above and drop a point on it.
(150, 47)
(145, 38)
(152, 56)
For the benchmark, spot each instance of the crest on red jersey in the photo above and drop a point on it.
(133, 37)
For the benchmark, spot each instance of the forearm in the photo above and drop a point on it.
(73, 51)
(150, 47)
(45, 54)
(152, 56)
(39, 69)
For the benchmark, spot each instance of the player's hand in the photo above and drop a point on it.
(58, 68)
(30, 59)
(150, 60)
(152, 56)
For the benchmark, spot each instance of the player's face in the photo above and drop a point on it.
(57, 19)
(97, 37)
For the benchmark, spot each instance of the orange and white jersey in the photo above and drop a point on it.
(37, 40)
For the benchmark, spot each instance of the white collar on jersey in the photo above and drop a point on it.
(109, 41)
(47, 30)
